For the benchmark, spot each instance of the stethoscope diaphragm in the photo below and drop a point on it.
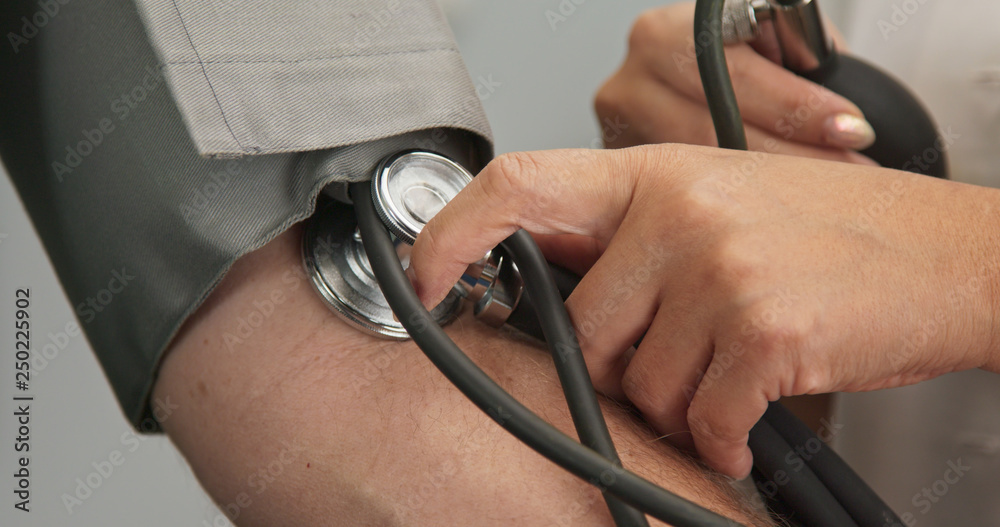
(409, 188)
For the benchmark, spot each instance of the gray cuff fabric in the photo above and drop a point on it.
(293, 75)
(146, 183)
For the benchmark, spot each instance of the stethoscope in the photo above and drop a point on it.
(355, 258)
(408, 189)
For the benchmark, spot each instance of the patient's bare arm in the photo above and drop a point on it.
(290, 417)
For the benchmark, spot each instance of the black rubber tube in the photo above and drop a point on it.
(524, 317)
(574, 377)
(485, 393)
(860, 501)
(798, 486)
(714, 73)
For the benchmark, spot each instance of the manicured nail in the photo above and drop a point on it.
(849, 131)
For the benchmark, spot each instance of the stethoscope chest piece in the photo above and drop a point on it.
(408, 189)
(411, 187)
(338, 269)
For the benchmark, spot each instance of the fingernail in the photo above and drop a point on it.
(849, 131)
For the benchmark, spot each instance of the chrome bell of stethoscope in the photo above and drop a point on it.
(408, 189)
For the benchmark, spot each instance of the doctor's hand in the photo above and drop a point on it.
(751, 276)
(657, 97)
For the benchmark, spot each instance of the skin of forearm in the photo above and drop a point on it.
(986, 254)
(289, 417)
(969, 308)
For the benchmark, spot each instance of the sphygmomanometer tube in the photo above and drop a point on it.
(866, 507)
(570, 365)
(485, 393)
(797, 484)
(715, 79)
(523, 316)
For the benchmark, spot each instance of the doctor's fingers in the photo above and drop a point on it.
(616, 300)
(653, 114)
(760, 353)
(584, 192)
(575, 252)
(663, 47)
(690, 378)
(662, 376)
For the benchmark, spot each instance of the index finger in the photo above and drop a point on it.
(554, 192)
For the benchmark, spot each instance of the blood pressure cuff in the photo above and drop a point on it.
(155, 142)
